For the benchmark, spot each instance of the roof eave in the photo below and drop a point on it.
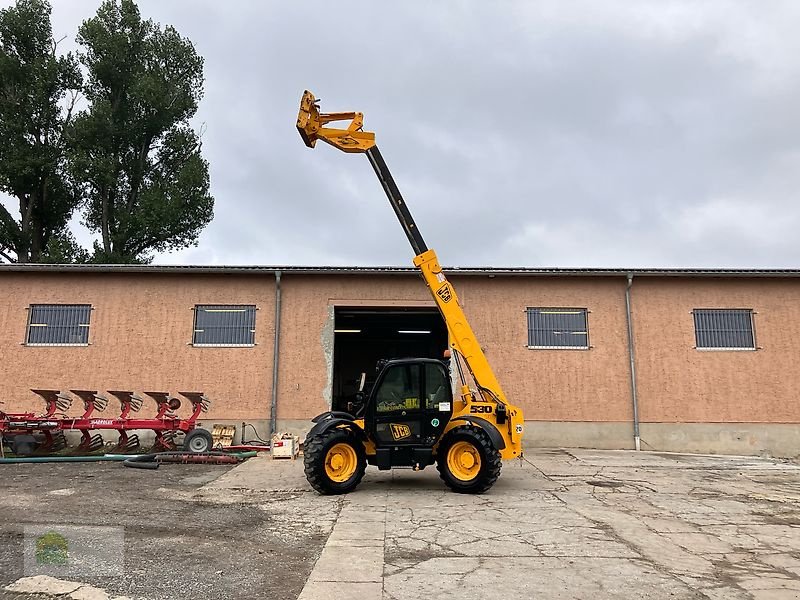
(390, 270)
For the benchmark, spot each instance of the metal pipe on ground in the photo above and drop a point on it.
(153, 461)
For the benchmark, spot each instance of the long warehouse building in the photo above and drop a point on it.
(690, 360)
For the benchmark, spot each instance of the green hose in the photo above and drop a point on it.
(243, 455)
(56, 459)
(105, 457)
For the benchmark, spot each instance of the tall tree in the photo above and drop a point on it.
(38, 91)
(139, 159)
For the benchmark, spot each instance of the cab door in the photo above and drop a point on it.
(438, 394)
(397, 406)
(412, 405)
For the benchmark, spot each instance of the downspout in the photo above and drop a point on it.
(634, 398)
(275, 356)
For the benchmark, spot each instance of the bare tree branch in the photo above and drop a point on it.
(6, 256)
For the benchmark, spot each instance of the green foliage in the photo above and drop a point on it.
(130, 158)
(64, 248)
(139, 161)
(38, 90)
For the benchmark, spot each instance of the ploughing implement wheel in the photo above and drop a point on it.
(334, 461)
(467, 460)
(198, 441)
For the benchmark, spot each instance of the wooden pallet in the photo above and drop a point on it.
(223, 435)
(285, 446)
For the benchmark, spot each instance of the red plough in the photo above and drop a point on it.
(20, 428)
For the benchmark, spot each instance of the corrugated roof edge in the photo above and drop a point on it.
(506, 271)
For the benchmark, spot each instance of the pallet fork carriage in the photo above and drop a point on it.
(410, 418)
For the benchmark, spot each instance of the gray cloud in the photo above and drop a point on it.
(521, 133)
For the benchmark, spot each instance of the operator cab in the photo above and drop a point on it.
(407, 411)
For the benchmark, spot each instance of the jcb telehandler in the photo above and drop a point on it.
(410, 418)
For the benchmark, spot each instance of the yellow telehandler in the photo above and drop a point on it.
(410, 417)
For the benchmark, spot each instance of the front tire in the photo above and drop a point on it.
(467, 461)
(334, 461)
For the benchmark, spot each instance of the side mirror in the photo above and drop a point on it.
(357, 407)
(361, 382)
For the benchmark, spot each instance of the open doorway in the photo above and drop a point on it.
(363, 336)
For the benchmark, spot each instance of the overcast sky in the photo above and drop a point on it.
(536, 133)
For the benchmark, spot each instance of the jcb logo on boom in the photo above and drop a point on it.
(399, 431)
(479, 408)
(444, 293)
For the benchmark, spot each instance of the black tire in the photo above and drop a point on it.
(490, 460)
(198, 441)
(315, 453)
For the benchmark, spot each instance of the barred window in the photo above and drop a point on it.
(58, 324)
(224, 325)
(560, 328)
(728, 328)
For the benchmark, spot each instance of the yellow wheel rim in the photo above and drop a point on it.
(463, 461)
(341, 462)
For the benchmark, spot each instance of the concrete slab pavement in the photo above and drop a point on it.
(559, 524)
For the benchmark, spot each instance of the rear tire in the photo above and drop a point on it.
(467, 461)
(334, 461)
(198, 441)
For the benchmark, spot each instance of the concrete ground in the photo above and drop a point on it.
(180, 541)
(559, 524)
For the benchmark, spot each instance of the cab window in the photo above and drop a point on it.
(437, 386)
(400, 389)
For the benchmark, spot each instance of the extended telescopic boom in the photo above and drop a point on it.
(311, 125)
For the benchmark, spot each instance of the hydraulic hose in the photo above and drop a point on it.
(137, 461)
(57, 459)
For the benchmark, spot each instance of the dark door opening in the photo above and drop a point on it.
(363, 336)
